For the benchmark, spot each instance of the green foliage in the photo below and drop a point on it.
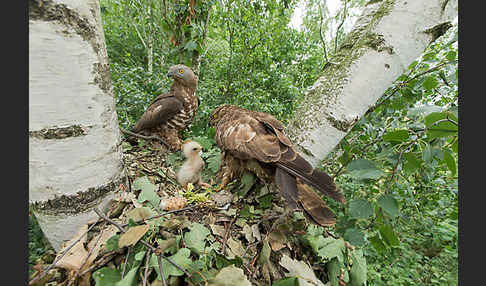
(397, 166)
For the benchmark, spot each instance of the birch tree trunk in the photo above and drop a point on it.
(75, 158)
(386, 39)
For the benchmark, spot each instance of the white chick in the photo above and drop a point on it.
(190, 171)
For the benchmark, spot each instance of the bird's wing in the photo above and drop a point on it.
(159, 111)
(246, 138)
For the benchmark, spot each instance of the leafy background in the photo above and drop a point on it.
(397, 167)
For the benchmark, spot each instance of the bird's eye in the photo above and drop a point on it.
(215, 115)
(194, 149)
(181, 71)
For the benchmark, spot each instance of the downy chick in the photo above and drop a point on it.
(190, 171)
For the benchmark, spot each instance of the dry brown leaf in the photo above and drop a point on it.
(217, 229)
(132, 235)
(74, 258)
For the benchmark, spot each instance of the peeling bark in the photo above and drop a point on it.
(75, 160)
(388, 36)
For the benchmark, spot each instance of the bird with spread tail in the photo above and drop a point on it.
(255, 141)
(190, 171)
(172, 112)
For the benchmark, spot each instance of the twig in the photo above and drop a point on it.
(159, 259)
(44, 272)
(161, 215)
(227, 231)
(339, 27)
(125, 263)
(320, 33)
(107, 257)
(151, 247)
(89, 254)
(145, 275)
(144, 137)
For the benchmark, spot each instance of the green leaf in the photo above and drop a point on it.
(396, 136)
(265, 201)
(360, 208)
(289, 281)
(112, 243)
(388, 235)
(214, 162)
(451, 55)
(106, 276)
(139, 256)
(389, 204)
(377, 244)
(195, 238)
(206, 143)
(354, 236)
(437, 126)
(451, 163)
(430, 83)
(363, 169)
(424, 110)
(148, 190)
(427, 154)
(411, 162)
(247, 181)
(334, 271)
(190, 46)
(130, 278)
(181, 258)
(333, 249)
(358, 270)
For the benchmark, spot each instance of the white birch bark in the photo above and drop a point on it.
(385, 40)
(75, 158)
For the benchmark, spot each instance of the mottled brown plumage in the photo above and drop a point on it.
(173, 111)
(255, 141)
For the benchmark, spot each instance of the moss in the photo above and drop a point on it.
(59, 133)
(80, 202)
(438, 30)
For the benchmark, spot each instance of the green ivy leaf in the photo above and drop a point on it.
(112, 243)
(364, 169)
(214, 162)
(334, 271)
(396, 136)
(358, 270)
(450, 162)
(148, 190)
(130, 278)
(430, 83)
(106, 276)
(334, 248)
(377, 244)
(289, 281)
(247, 181)
(388, 235)
(389, 204)
(181, 258)
(360, 208)
(354, 236)
(195, 238)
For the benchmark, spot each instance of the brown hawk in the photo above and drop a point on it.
(255, 141)
(172, 112)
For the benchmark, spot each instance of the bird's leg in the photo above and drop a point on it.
(225, 172)
(203, 184)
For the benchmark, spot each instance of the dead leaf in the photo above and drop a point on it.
(133, 235)
(247, 231)
(230, 276)
(74, 258)
(217, 229)
(235, 248)
(139, 214)
(256, 232)
(297, 268)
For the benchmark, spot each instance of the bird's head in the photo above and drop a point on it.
(191, 149)
(183, 74)
(218, 113)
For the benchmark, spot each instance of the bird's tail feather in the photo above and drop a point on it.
(299, 167)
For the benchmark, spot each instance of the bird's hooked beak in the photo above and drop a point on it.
(170, 74)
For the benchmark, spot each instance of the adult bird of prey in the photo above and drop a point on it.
(255, 141)
(172, 112)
